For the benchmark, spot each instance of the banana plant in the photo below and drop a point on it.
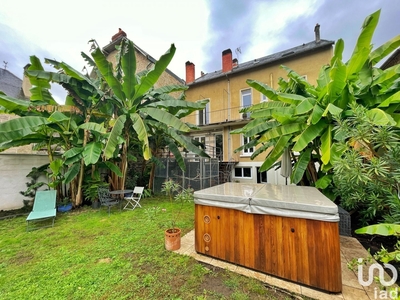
(302, 117)
(101, 114)
(138, 107)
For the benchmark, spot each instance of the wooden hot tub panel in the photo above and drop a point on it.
(301, 250)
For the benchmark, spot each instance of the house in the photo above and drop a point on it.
(228, 92)
(394, 59)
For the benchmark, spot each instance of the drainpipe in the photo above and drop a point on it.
(229, 117)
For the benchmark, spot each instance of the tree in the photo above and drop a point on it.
(302, 117)
(95, 124)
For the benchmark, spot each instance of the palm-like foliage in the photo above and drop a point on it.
(302, 117)
(97, 120)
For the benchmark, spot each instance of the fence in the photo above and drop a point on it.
(200, 173)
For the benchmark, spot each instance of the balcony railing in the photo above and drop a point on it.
(218, 116)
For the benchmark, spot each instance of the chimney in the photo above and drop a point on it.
(119, 34)
(226, 60)
(317, 36)
(189, 72)
(235, 63)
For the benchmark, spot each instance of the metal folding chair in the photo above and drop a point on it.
(133, 200)
(106, 199)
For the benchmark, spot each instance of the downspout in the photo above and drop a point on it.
(229, 118)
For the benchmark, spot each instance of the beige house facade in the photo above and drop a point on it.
(228, 92)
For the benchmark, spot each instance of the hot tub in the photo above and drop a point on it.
(284, 230)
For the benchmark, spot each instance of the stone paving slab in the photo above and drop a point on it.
(352, 290)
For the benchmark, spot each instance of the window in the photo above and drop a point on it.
(204, 115)
(264, 98)
(262, 177)
(246, 101)
(200, 139)
(243, 172)
(245, 141)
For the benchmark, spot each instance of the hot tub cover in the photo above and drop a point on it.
(279, 200)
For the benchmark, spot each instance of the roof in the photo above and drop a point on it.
(10, 84)
(273, 58)
(394, 59)
(111, 47)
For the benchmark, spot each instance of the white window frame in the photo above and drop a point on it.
(245, 140)
(263, 98)
(242, 175)
(204, 115)
(246, 92)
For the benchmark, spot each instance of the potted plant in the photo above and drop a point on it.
(65, 205)
(177, 194)
(90, 191)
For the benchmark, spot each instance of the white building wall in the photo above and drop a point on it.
(273, 177)
(13, 171)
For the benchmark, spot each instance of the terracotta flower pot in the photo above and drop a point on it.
(172, 239)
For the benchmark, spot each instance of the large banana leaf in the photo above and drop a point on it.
(72, 172)
(337, 83)
(291, 98)
(140, 128)
(128, 63)
(300, 166)
(379, 117)
(263, 89)
(395, 98)
(178, 156)
(381, 52)
(91, 153)
(151, 77)
(185, 142)
(276, 153)
(338, 52)
(112, 141)
(166, 118)
(169, 89)
(106, 69)
(13, 104)
(18, 128)
(283, 130)
(363, 46)
(326, 144)
(93, 127)
(114, 168)
(380, 229)
(386, 78)
(304, 107)
(309, 135)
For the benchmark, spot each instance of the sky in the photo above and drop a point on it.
(200, 29)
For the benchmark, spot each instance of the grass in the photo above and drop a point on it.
(91, 255)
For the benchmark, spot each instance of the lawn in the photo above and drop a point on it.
(91, 255)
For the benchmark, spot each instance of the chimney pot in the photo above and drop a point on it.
(190, 72)
(317, 34)
(226, 60)
(235, 63)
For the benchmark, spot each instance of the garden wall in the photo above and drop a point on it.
(13, 171)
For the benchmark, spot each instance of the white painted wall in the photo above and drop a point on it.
(273, 177)
(13, 171)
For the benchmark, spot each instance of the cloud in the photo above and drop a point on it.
(261, 28)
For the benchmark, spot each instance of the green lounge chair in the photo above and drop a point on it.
(44, 208)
